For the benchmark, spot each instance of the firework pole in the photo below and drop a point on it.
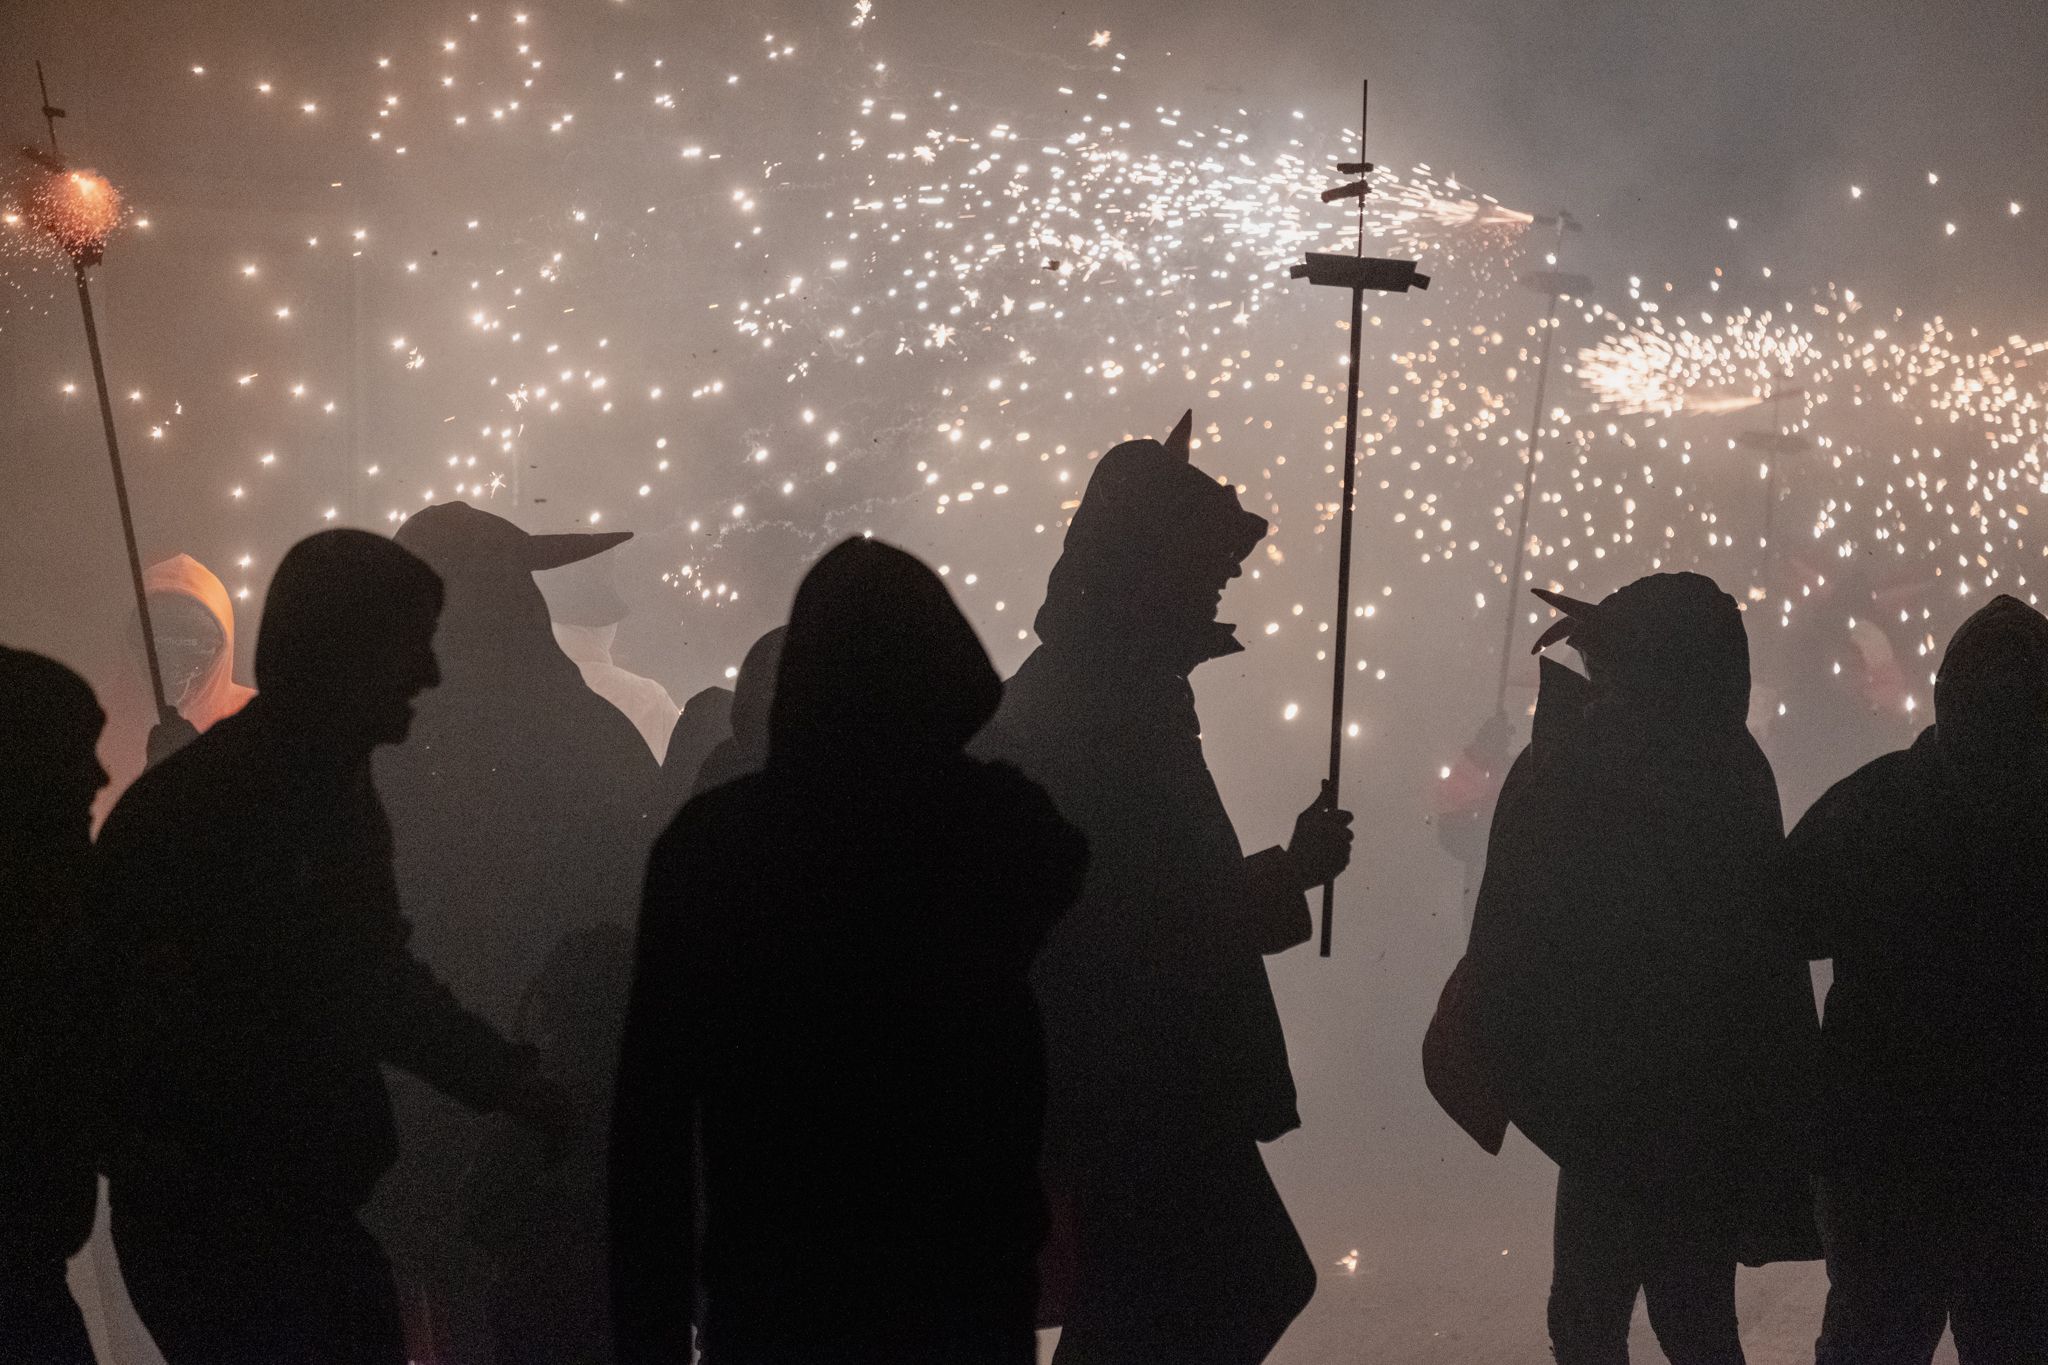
(1357, 273)
(1556, 284)
(84, 252)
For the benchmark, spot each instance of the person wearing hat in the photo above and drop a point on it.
(259, 978)
(1168, 1067)
(519, 805)
(1645, 1018)
(1923, 876)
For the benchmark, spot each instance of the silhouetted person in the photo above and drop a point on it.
(1924, 876)
(1648, 1026)
(49, 1116)
(1168, 1066)
(519, 806)
(543, 1220)
(261, 975)
(830, 1016)
(705, 723)
(745, 750)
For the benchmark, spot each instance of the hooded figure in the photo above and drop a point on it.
(587, 609)
(261, 978)
(49, 1127)
(193, 621)
(830, 1013)
(745, 750)
(1924, 877)
(519, 803)
(1647, 1024)
(1168, 1066)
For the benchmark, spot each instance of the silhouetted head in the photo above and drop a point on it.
(1991, 697)
(879, 668)
(50, 725)
(1670, 646)
(494, 608)
(347, 639)
(1148, 554)
(753, 692)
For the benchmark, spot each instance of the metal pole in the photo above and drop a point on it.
(1343, 664)
(1507, 641)
(99, 378)
(1343, 661)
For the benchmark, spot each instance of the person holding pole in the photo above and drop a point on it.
(1167, 1063)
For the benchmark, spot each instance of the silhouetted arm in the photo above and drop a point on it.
(420, 1027)
(653, 1159)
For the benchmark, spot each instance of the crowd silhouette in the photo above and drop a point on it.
(423, 1006)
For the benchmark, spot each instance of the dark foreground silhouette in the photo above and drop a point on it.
(1168, 1067)
(50, 1125)
(1645, 1019)
(1924, 876)
(830, 1027)
(259, 977)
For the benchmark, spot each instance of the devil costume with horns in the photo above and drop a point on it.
(1644, 1019)
(1167, 1062)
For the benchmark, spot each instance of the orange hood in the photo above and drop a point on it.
(216, 695)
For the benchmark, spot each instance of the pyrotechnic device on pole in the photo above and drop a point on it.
(78, 210)
(1357, 273)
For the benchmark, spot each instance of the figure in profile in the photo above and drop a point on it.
(831, 1028)
(1923, 876)
(1646, 1020)
(1168, 1066)
(50, 1129)
(260, 977)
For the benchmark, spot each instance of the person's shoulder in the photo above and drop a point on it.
(712, 815)
(1886, 784)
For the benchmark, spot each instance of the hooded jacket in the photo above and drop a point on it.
(830, 1006)
(1646, 1017)
(1927, 891)
(215, 695)
(1159, 1017)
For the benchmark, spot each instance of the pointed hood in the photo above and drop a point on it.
(214, 694)
(1148, 521)
(1670, 646)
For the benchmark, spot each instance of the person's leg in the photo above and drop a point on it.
(1691, 1299)
(39, 1320)
(1192, 1260)
(1999, 1295)
(1594, 1275)
(1887, 1288)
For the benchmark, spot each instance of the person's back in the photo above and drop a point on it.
(1923, 876)
(832, 968)
(49, 1075)
(1645, 1022)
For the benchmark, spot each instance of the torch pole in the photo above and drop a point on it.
(99, 378)
(1507, 638)
(1343, 664)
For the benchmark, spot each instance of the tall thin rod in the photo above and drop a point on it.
(1342, 654)
(99, 378)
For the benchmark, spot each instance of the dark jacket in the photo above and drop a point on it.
(1646, 1018)
(244, 897)
(1160, 1023)
(830, 1009)
(1159, 1018)
(1929, 897)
